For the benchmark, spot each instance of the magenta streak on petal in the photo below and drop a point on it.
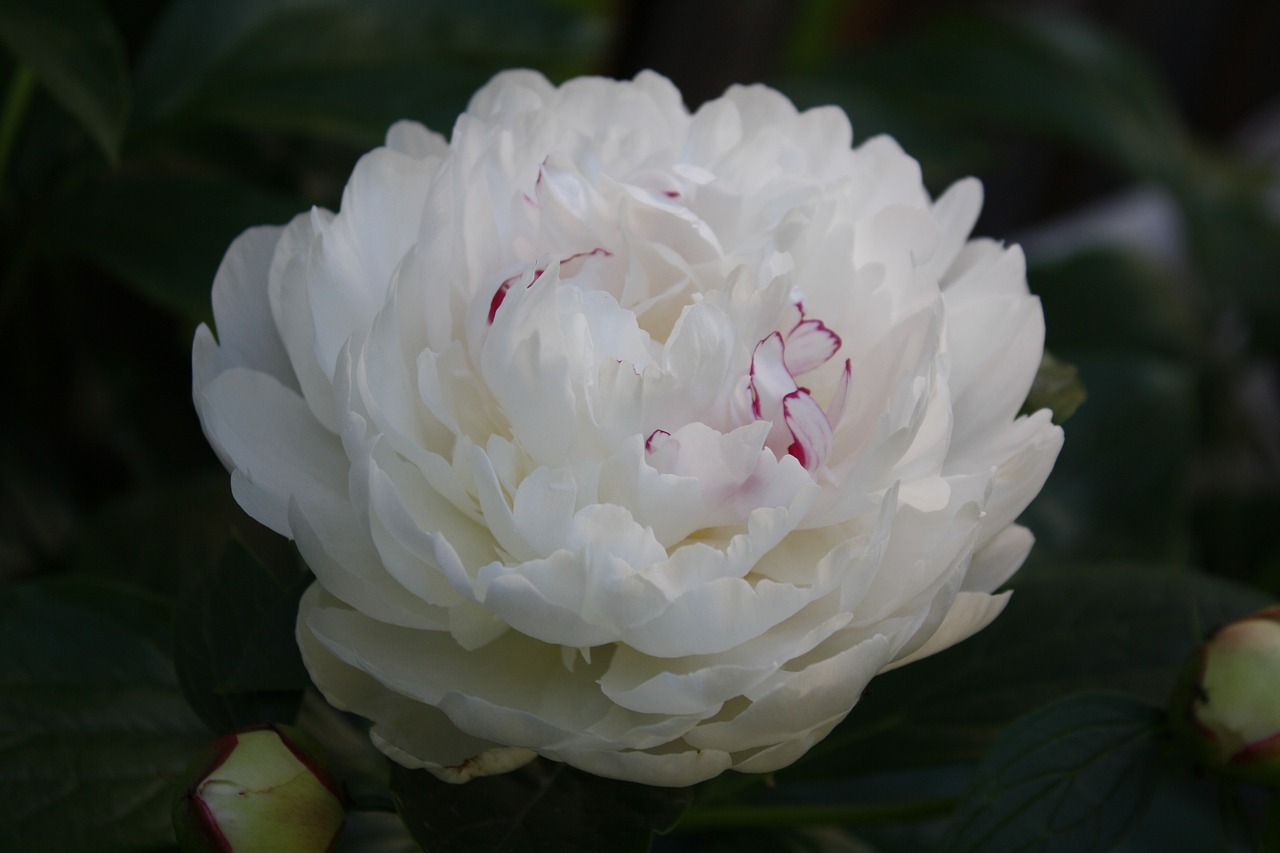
(810, 344)
(765, 375)
(671, 194)
(648, 442)
(498, 296)
(809, 428)
(835, 410)
(593, 253)
(501, 293)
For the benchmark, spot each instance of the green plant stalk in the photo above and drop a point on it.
(16, 101)
(798, 814)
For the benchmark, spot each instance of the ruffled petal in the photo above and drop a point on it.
(265, 432)
(247, 337)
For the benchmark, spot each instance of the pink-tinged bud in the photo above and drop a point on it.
(1226, 706)
(260, 789)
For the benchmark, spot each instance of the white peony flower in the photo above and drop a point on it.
(636, 439)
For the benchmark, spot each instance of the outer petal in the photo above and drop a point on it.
(265, 433)
(967, 615)
(702, 684)
(800, 699)
(351, 262)
(242, 314)
(997, 560)
(413, 734)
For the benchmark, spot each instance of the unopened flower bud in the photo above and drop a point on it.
(261, 789)
(1226, 706)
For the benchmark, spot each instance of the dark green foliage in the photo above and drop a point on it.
(93, 727)
(543, 806)
(1071, 777)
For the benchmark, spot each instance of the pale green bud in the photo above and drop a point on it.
(1227, 703)
(262, 789)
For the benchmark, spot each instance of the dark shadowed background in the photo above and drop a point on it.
(1131, 146)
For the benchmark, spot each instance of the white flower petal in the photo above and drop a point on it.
(687, 766)
(799, 699)
(414, 140)
(487, 692)
(995, 345)
(544, 509)
(346, 564)
(586, 593)
(997, 560)
(700, 684)
(414, 734)
(287, 291)
(956, 211)
(266, 433)
(1019, 477)
(967, 615)
(242, 314)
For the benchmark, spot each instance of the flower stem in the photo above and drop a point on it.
(16, 100)
(799, 814)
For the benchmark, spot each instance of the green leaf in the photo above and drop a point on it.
(165, 235)
(161, 539)
(170, 537)
(93, 727)
(131, 605)
(1050, 74)
(1072, 777)
(1188, 812)
(1065, 630)
(234, 647)
(1234, 238)
(374, 832)
(38, 507)
(542, 806)
(1117, 301)
(364, 771)
(340, 68)
(1057, 387)
(1120, 489)
(75, 51)
(801, 839)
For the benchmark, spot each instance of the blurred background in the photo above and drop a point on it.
(1132, 147)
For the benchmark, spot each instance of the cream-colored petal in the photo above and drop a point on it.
(967, 615)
